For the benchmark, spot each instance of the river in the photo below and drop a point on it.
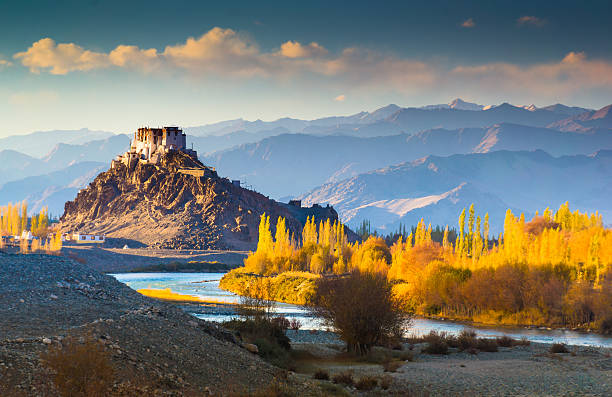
(206, 286)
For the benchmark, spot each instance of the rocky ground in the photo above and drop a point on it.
(517, 371)
(46, 299)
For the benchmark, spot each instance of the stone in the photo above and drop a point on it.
(46, 341)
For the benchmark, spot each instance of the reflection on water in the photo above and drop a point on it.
(206, 286)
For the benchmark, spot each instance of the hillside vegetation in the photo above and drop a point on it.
(553, 270)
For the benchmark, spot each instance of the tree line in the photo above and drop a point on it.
(14, 220)
(554, 269)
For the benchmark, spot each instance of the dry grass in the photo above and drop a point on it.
(366, 383)
(321, 374)
(80, 368)
(392, 366)
(344, 378)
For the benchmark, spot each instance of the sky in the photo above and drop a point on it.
(116, 65)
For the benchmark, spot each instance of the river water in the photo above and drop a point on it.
(206, 286)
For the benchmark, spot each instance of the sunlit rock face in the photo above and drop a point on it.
(178, 203)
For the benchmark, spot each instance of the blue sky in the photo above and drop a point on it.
(115, 65)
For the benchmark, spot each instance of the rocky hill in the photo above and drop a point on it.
(155, 348)
(178, 203)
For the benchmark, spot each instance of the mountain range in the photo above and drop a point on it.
(288, 157)
(437, 188)
(286, 165)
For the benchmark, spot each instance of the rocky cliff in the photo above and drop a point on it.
(178, 203)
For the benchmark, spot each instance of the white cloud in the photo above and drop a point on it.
(60, 58)
(468, 23)
(226, 53)
(294, 49)
(340, 98)
(530, 20)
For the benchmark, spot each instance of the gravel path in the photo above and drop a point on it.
(46, 298)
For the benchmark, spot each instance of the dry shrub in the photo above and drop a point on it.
(467, 339)
(80, 368)
(344, 378)
(538, 224)
(505, 341)
(385, 382)
(487, 345)
(523, 342)
(436, 343)
(392, 366)
(406, 356)
(559, 348)
(275, 389)
(321, 374)
(295, 324)
(361, 308)
(366, 383)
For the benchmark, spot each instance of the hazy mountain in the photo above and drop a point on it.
(586, 121)
(37, 144)
(63, 154)
(291, 164)
(388, 120)
(568, 110)
(437, 188)
(15, 165)
(458, 104)
(51, 189)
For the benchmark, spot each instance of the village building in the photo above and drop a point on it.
(151, 144)
(83, 238)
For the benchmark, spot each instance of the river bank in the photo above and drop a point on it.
(299, 287)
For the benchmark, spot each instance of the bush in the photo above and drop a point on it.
(385, 382)
(487, 345)
(467, 339)
(361, 308)
(392, 366)
(343, 378)
(559, 348)
(321, 374)
(505, 341)
(295, 324)
(80, 369)
(366, 383)
(406, 356)
(436, 343)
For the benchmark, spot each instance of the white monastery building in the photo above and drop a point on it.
(150, 144)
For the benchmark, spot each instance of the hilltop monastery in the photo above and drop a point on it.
(150, 144)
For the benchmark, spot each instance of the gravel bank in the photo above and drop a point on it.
(46, 298)
(518, 371)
